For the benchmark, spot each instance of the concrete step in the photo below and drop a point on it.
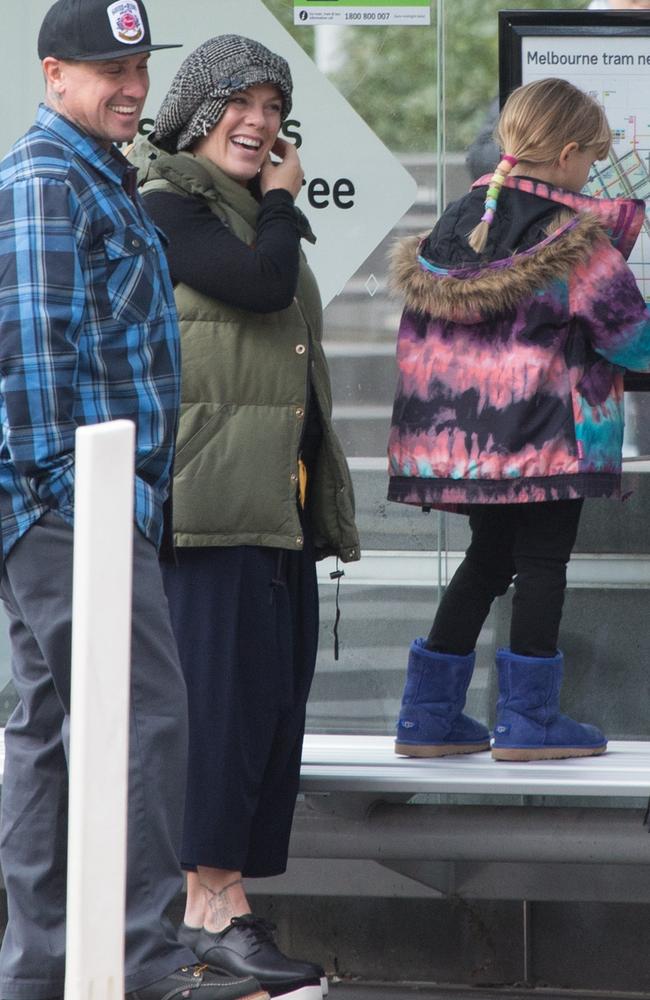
(362, 374)
(342, 990)
(489, 950)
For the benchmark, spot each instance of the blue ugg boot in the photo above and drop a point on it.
(430, 722)
(529, 723)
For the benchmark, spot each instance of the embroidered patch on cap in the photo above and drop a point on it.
(126, 21)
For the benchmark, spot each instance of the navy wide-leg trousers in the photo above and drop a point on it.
(246, 622)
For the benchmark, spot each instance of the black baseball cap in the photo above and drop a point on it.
(88, 30)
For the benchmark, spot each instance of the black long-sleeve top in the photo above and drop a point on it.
(206, 255)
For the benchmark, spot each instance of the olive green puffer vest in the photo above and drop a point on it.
(244, 393)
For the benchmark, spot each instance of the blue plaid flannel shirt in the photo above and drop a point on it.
(88, 329)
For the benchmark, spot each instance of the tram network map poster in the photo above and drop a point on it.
(607, 54)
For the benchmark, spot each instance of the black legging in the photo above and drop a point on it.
(528, 542)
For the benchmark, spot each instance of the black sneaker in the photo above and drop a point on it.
(247, 947)
(213, 986)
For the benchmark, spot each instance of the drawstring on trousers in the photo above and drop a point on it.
(279, 580)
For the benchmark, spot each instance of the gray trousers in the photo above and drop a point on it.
(36, 590)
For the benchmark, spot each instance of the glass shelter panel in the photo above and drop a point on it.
(431, 94)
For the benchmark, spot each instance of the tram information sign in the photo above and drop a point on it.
(360, 13)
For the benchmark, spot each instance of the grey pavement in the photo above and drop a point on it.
(411, 991)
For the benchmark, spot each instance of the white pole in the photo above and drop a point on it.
(329, 54)
(98, 765)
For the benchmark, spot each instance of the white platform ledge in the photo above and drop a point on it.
(347, 763)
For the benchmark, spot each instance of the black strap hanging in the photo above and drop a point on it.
(336, 575)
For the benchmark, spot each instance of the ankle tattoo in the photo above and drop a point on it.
(219, 906)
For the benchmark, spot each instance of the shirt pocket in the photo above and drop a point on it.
(133, 281)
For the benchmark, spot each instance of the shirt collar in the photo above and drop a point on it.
(110, 162)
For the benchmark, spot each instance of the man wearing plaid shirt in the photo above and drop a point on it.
(88, 335)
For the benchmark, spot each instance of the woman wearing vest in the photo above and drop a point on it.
(261, 486)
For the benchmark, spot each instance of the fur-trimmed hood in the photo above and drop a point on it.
(469, 295)
(558, 231)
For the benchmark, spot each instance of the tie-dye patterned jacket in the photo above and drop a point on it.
(511, 366)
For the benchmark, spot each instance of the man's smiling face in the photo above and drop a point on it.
(105, 99)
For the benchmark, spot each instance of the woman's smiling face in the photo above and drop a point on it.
(241, 140)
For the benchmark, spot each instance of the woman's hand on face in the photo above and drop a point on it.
(287, 174)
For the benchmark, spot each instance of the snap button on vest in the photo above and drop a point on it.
(300, 349)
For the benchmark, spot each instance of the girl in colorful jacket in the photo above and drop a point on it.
(520, 316)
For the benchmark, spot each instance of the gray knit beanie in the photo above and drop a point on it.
(200, 90)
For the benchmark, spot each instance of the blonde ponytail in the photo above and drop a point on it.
(479, 234)
(536, 123)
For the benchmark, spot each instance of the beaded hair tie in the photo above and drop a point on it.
(502, 170)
